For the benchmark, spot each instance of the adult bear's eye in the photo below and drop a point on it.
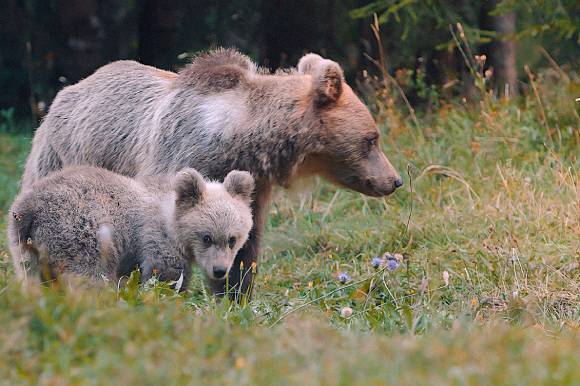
(371, 142)
(232, 241)
(207, 240)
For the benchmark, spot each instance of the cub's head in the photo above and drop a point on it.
(347, 149)
(213, 220)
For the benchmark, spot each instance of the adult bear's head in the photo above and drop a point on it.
(347, 151)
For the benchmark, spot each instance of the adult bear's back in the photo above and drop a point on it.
(99, 121)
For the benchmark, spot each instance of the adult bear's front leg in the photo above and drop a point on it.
(240, 279)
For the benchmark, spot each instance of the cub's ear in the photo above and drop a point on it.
(326, 75)
(189, 186)
(240, 184)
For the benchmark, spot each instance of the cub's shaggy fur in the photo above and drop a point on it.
(217, 114)
(95, 223)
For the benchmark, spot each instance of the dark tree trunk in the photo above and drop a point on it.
(289, 28)
(240, 282)
(502, 51)
(84, 38)
(158, 27)
(468, 89)
(14, 74)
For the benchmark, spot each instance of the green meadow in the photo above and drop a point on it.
(486, 291)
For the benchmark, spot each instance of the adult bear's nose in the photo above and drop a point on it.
(399, 183)
(219, 272)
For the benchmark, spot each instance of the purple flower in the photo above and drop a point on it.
(343, 278)
(392, 264)
(376, 262)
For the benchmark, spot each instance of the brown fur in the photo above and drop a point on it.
(90, 222)
(219, 113)
(166, 74)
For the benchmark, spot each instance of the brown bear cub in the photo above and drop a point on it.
(95, 223)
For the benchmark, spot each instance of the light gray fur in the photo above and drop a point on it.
(137, 120)
(94, 223)
(217, 114)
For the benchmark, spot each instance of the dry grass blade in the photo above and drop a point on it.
(382, 67)
(448, 172)
(410, 199)
(540, 104)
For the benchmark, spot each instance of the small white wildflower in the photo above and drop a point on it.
(346, 312)
(514, 255)
(446, 278)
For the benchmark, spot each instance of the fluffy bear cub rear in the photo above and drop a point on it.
(94, 223)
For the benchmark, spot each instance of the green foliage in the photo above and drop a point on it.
(7, 119)
(411, 19)
(13, 150)
(422, 25)
(558, 18)
(417, 38)
(537, 17)
(130, 292)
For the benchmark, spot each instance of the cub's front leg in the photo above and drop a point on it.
(166, 268)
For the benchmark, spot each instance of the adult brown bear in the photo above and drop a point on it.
(217, 114)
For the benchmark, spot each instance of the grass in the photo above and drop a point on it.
(494, 205)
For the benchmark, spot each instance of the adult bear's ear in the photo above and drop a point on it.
(307, 63)
(189, 186)
(326, 75)
(240, 184)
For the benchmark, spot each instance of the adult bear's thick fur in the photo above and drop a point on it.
(217, 114)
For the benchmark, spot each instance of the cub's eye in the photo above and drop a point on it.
(232, 241)
(207, 240)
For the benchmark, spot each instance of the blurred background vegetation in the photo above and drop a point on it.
(47, 44)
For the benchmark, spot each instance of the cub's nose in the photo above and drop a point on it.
(219, 272)
(399, 183)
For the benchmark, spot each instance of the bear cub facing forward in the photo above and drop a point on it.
(94, 223)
